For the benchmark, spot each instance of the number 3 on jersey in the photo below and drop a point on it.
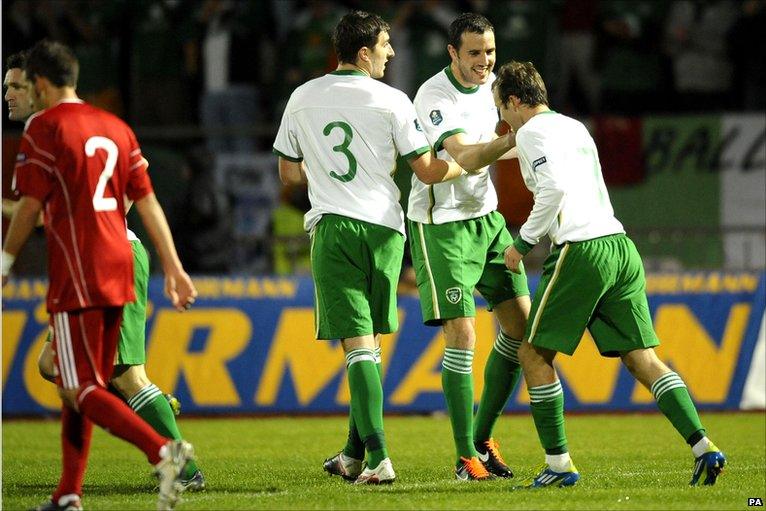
(343, 148)
(101, 203)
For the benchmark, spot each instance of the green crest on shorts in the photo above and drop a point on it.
(454, 295)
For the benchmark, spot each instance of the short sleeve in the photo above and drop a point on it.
(438, 117)
(33, 174)
(138, 183)
(286, 144)
(408, 134)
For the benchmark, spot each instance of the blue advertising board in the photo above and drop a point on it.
(247, 346)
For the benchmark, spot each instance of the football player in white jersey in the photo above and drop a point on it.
(457, 242)
(341, 133)
(593, 278)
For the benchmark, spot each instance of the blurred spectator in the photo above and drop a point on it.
(308, 52)
(291, 248)
(631, 64)
(93, 27)
(696, 39)
(400, 72)
(25, 22)
(232, 35)
(203, 232)
(429, 25)
(747, 53)
(524, 32)
(162, 65)
(578, 86)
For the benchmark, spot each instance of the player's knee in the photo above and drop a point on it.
(532, 358)
(526, 354)
(641, 361)
(460, 333)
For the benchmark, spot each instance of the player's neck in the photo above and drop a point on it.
(528, 113)
(56, 95)
(352, 67)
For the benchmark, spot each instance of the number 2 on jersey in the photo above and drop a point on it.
(101, 203)
(343, 148)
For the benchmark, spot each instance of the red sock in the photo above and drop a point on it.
(109, 412)
(76, 432)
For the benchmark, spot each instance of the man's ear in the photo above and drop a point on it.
(452, 51)
(363, 54)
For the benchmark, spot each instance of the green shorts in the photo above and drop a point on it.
(356, 266)
(131, 349)
(597, 284)
(453, 259)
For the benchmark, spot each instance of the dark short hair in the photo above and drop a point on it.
(356, 30)
(17, 60)
(522, 80)
(467, 22)
(54, 61)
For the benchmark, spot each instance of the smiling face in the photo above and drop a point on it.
(17, 94)
(474, 60)
(380, 54)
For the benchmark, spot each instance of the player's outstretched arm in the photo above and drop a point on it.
(23, 221)
(431, 170)
(473, 157)
(178, 286)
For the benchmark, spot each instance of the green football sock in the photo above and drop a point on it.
(547, 404)
(457, 382)
(367, 403)
(150, 404)
(501, 374)
(674, 401)
(354, 445)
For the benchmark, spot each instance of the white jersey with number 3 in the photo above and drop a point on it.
(560, 166)
(347, 128)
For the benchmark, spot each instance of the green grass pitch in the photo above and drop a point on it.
(626, 462)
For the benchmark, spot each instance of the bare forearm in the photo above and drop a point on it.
(431, 170)
(156, 225)
(477, 156)
(24, 220)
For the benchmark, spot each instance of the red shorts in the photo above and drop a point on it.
(84, 343)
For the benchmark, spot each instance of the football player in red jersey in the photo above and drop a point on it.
(79, 165)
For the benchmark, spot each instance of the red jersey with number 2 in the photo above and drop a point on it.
(81, 163)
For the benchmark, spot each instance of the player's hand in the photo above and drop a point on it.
(513, 259)
(180, 290)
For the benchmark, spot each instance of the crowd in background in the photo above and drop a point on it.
(208, 79)
(170, 62)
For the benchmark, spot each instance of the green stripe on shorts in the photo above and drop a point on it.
(597, 284)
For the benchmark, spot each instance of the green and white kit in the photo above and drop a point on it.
(457, 238)
(594, 277)
(445, 108)
(347, 128)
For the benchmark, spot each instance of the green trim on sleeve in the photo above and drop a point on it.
(522, 246)
(444, 136)
(417, 152)
(457, 84)
(283, 155)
